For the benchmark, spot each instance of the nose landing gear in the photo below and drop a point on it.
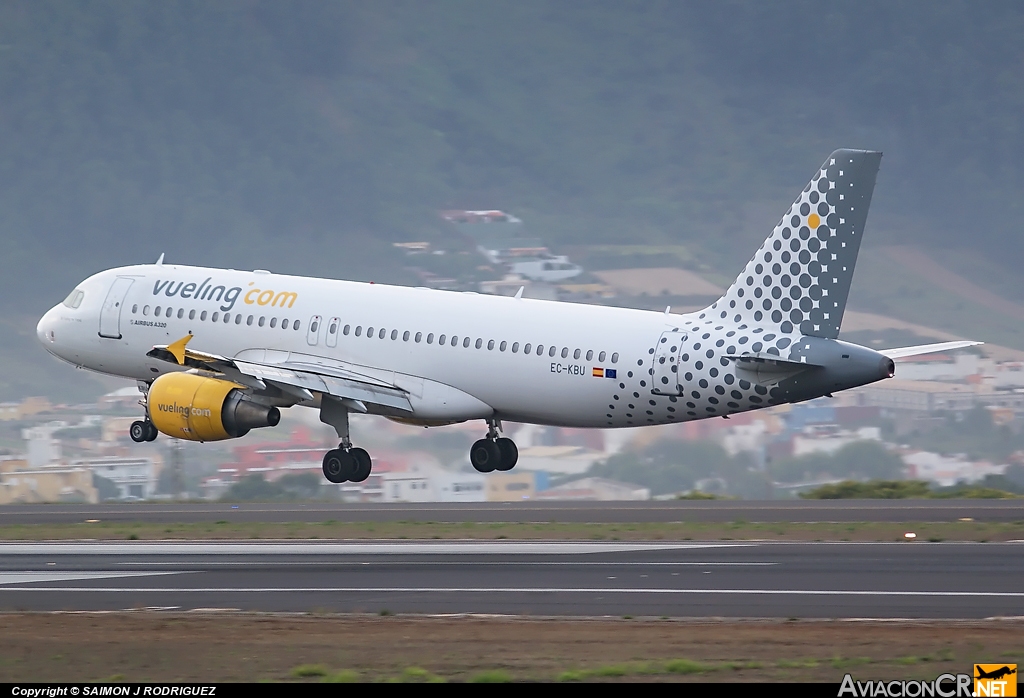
(493, 452)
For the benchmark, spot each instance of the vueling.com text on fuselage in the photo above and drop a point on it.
(207, 292)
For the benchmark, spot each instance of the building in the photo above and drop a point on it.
(406, 487)
(511, 486)
(460, 487)
(596, 489)
(931, 396)
(135, 478)
(22, 484)
(947, 470)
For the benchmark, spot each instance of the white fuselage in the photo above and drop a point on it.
(487, 371)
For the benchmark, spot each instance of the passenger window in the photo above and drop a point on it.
(295, 325)
(273, 322)
(202, 316)
(333, 328)
(314, 326)
(248, 320)
(590, 354)
(135, 309)
(345, 331)
(601, 356)
(369, 332)
(394, 335)
(215, 317)
(157, 311)
(145, 310)
(419, 335)
(540, 349)
(615, 358)
(169, 312)
(490, 345)
(181, 313)
(565, 352)
(440, 340)
(552, 350)
(576, 354)
(479, 342)
(284, 324)
(192, 315)
(262, 320)
(238, 319)
(455, 341)
(359, 330)
(430, 338)
(382, 333)
(227, 318)
(526, 349)
(405, 336)
(515, 347)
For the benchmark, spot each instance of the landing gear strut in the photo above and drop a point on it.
(143, 430)
(493, 452)
(342, 464)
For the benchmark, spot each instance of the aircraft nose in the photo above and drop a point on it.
(45, 330)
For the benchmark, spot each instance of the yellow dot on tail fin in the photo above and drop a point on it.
(813, 220)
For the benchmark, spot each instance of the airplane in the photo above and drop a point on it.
(218, 352)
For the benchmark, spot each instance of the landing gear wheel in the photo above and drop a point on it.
(363, 465)
(509, 454)
(139, 431)
(485, 456)
(151, 431)
(339, 466)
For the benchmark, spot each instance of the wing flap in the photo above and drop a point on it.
(298, 382)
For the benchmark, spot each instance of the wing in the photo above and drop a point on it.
(295, 380)
(902, 352)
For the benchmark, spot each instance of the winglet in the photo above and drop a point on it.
(160, 259)
(519, 293)
(177, 349)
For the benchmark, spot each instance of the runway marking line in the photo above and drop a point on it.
(519, 590)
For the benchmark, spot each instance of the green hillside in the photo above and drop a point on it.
(306, 136)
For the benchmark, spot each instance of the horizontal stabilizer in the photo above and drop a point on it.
(903, 352)
(767, 362)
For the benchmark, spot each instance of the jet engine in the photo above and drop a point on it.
(193, 407)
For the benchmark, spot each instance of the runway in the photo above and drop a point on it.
(737, 580)
(799, 511)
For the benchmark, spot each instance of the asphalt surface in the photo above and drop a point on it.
(747, 580)
(567, 512)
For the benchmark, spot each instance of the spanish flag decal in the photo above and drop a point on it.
(598, 372)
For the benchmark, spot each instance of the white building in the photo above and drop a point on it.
(818, 440)
(551, 270)
(460, 487)
(136, 478)
(406, 487)
(596, 489)
(948, 470)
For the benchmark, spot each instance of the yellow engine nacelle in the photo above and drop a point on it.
(187, 406)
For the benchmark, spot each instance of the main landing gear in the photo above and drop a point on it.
(493, 452)
(347, 464)
(343, 464)
(142, 431)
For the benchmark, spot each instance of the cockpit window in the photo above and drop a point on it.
(74, 298)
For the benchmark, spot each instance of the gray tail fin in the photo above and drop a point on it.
(799, 279)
